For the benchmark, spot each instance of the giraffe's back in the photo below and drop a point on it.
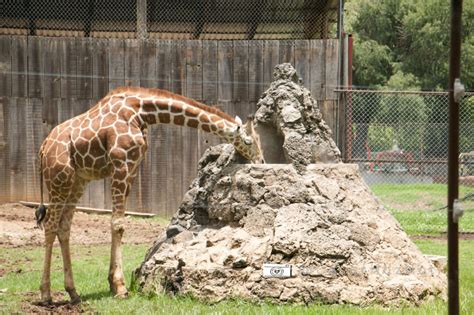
(79, 143)
(55, 154)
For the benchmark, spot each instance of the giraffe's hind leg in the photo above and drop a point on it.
(51, 225)
(120, 190)
(59, 177)
(50, 235)
(64, 231)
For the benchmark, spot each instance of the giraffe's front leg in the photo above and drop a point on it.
(126, 158)
(116, 278)
(120, 189)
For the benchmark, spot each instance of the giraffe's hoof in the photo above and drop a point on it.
(121, 292)
(45, 302)
(122, 295)
(76, 300)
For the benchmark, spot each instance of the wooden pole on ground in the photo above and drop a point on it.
(94, 210)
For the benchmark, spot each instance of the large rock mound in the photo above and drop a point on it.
(320, 218)
(345, 248)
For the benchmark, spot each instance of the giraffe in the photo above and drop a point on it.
(110, 140)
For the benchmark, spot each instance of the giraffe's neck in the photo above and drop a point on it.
(153, 106)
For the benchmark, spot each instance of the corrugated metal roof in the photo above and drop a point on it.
(178, 19)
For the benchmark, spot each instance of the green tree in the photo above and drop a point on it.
(364, 107)
(373, 64)
(466, 120)
(406, 114)
(404, 45)
(425, 51)
(436, 137)
(414, 38)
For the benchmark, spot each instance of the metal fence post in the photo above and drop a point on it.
(347, 134)
(453, 157)
(141, 19)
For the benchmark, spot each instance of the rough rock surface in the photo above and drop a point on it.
(346, 248)
(320, 218)
(288, 114)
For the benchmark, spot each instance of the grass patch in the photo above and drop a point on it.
(408, 203)
(413, 205)
(417, 197)
(90, 265)
(466, 268)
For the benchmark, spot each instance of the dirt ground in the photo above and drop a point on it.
(18, 228)
(444, 236)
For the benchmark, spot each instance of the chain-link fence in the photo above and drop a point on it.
(177, 19)
(402, 137)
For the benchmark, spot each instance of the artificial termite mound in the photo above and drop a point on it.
(303, 208)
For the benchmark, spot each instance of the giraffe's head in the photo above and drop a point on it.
(247, 142)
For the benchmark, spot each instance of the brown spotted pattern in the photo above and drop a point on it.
(110, 140)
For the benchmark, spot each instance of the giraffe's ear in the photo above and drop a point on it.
(249, 127)
(238, 120)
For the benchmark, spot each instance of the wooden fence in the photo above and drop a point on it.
(44, 81)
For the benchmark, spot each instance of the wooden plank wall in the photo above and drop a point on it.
(44, 81)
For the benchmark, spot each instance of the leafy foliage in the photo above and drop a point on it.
(404, 45)
(466, 143)
(373, 63)
(411, 36)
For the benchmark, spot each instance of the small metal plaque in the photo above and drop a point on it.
(277, 271)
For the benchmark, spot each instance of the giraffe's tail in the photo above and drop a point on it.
(40, 212)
